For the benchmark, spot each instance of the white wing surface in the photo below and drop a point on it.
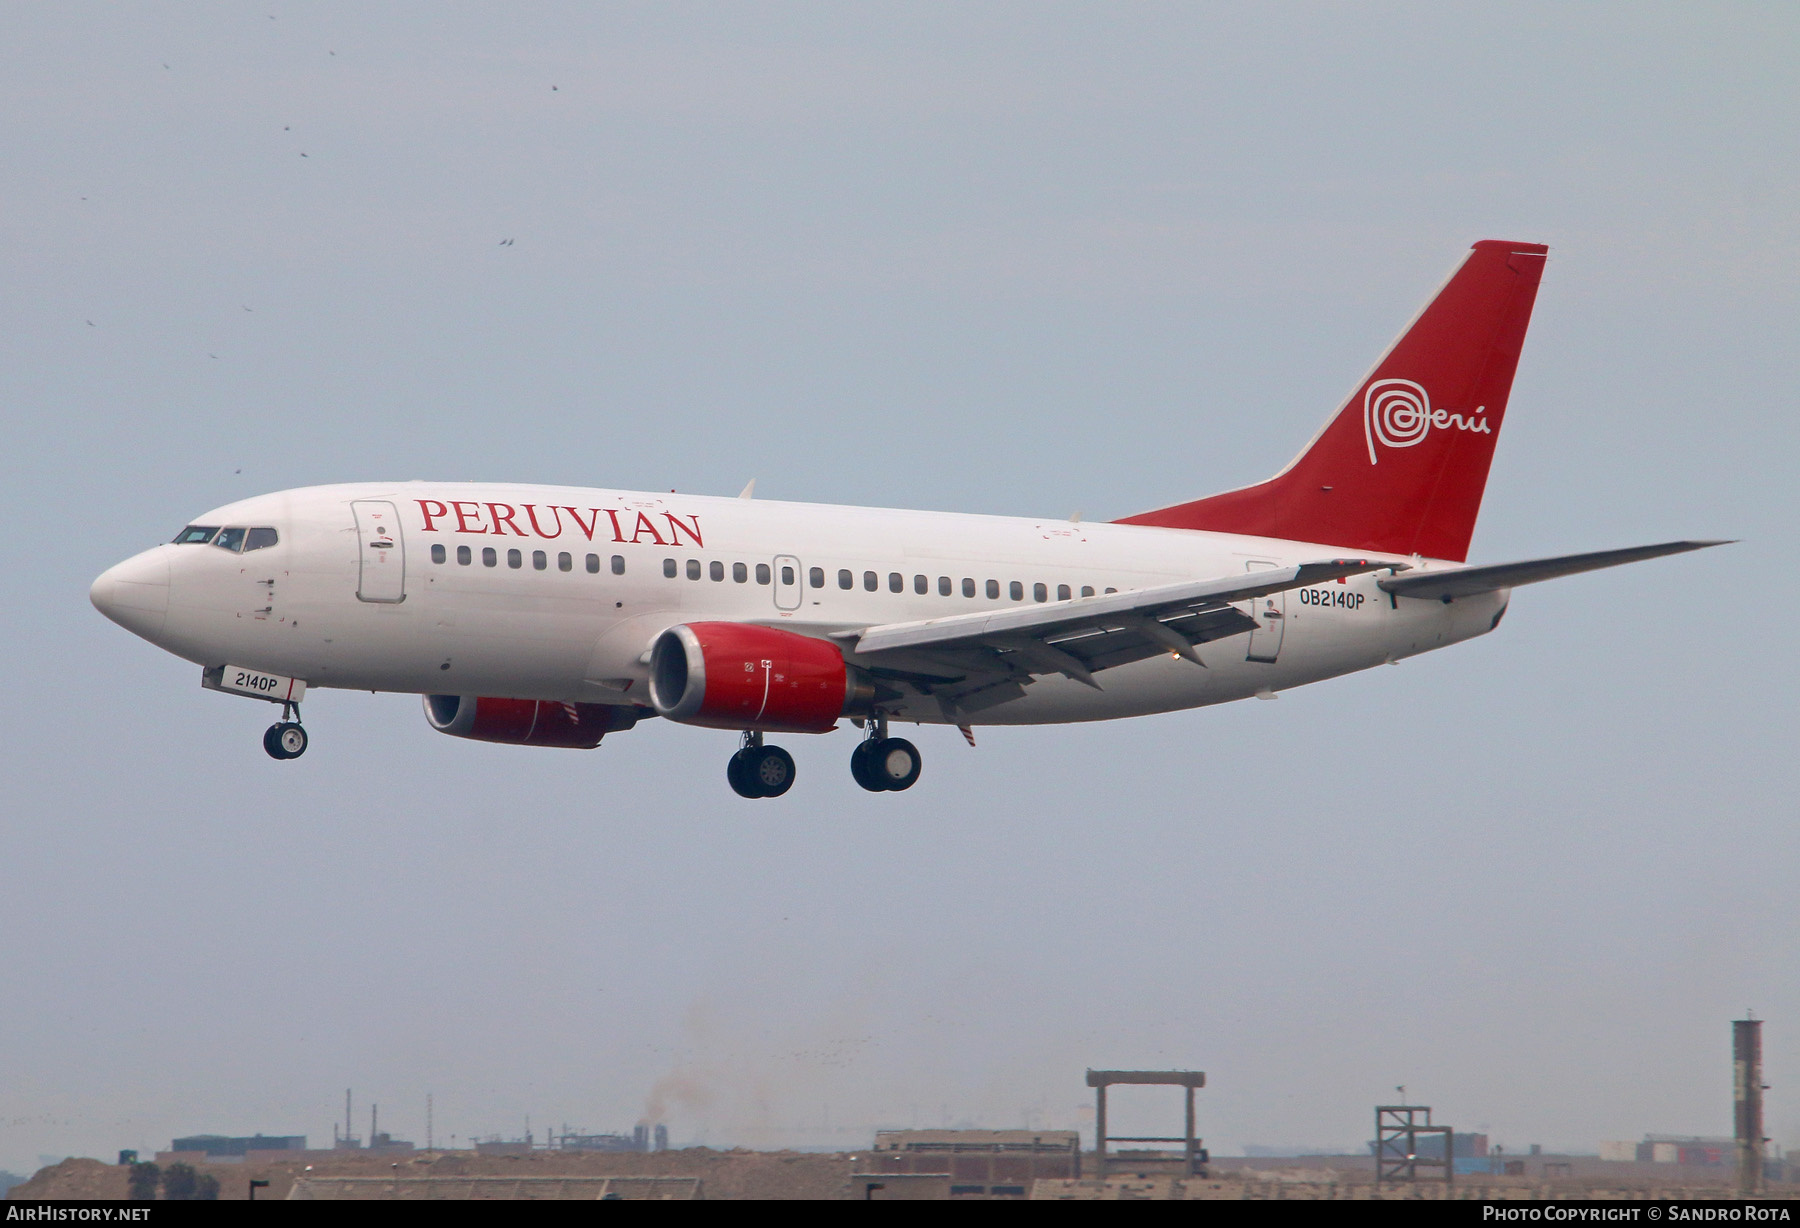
(971, 662)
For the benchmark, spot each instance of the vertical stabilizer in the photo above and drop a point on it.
(1401, 467)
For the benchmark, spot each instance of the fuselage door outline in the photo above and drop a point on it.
(787, 583)
(381, 576)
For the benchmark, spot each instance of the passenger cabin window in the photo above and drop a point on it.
(464, 555)
(740, 574)
(968, 587)
(993, 589)
(762, 573)
(1039, 593)
(845, 579)
(871, 581)
(787, 574)
(515, 559)
(489, 556)
(1112, 590)
(539, 560)
(260, 539)
(1062, 592)
(921, 585)
(618, 565)
(566, 562)
(438, 553)
(1016, 591)
(716, 570)
(230, 539)
(195, 535)
(1087, 590)
(896, 582)
(693, 569)
(593, 564)
(816, 577)
(943, 586)
(669, 568)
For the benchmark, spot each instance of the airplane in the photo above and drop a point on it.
(555, 615)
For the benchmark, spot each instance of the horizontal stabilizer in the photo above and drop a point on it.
(1468, 581)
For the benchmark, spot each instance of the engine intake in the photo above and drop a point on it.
(526, 722)
(738, 676)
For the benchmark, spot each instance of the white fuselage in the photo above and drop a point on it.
(546, 623)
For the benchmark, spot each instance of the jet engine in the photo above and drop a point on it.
(526, 722)
(738, 676)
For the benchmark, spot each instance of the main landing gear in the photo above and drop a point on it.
(287, 739)
(758, 770)
(882, 764)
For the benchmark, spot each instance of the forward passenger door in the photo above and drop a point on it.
(382, 577)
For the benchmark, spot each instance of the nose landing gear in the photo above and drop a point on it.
(286, 739)
(758, 770)
(882, 764)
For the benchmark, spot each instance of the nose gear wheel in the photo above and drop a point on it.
(286, 740)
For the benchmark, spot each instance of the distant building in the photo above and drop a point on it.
(504, 1147)
(1687, 1149)
(1468, 1146)
(1693, 1150)
(640, 1139)
(598, 1142)
(220, 1145)
(979, 1163)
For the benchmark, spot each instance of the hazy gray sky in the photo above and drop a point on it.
(1013, 258)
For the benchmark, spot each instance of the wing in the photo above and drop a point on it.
(1468, 581)
(971, 662)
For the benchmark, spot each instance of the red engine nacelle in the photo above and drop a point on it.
(737, 676)
(526, 722)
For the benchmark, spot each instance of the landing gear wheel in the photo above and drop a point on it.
(898, 763)
(286, 740)
(737, 771)
(773, 771)
(886, 765)
(863, 768)
(760, 771)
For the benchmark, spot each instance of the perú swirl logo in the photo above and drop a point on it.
(1397, 413)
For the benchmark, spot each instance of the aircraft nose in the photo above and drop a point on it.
(135, 593)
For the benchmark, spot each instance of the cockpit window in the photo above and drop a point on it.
(260, 538)
(230, 539)
(195, 535)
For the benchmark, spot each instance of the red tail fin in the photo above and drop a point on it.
(1401, 467)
